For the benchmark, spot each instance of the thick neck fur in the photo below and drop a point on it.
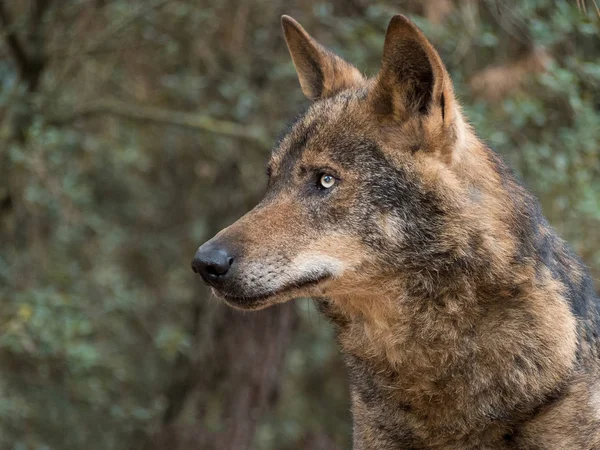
(453, 352)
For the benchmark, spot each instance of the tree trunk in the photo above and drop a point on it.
(232, 385)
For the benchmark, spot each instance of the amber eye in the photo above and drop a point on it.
(327, 181)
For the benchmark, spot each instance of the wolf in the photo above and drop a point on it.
(465, 322)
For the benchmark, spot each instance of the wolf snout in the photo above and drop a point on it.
(213, 261)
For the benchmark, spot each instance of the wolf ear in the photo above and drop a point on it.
(321, 72)
(412, 79)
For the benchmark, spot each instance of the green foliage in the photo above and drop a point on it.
(100, 212)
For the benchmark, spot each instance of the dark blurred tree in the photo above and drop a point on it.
(134, 130)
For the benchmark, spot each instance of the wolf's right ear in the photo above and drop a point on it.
(321, 72)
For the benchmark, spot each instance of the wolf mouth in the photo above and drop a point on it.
(253, 299)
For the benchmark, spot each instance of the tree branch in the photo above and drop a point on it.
(12, 41)
(30, 65)
(165, 116)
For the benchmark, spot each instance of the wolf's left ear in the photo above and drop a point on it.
(412, 79)
(321, 72)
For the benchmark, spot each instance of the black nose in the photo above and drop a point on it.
(212, 262)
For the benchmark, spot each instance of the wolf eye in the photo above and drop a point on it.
(327, 181)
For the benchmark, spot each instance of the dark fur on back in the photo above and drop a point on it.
(464, 320)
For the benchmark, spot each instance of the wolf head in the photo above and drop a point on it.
(363, 186)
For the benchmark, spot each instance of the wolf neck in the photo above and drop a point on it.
(447, 367)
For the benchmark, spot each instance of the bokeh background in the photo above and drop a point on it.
(133, 130)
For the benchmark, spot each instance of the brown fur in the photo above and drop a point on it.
(465, 322)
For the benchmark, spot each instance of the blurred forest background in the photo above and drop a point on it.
(132, 131)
